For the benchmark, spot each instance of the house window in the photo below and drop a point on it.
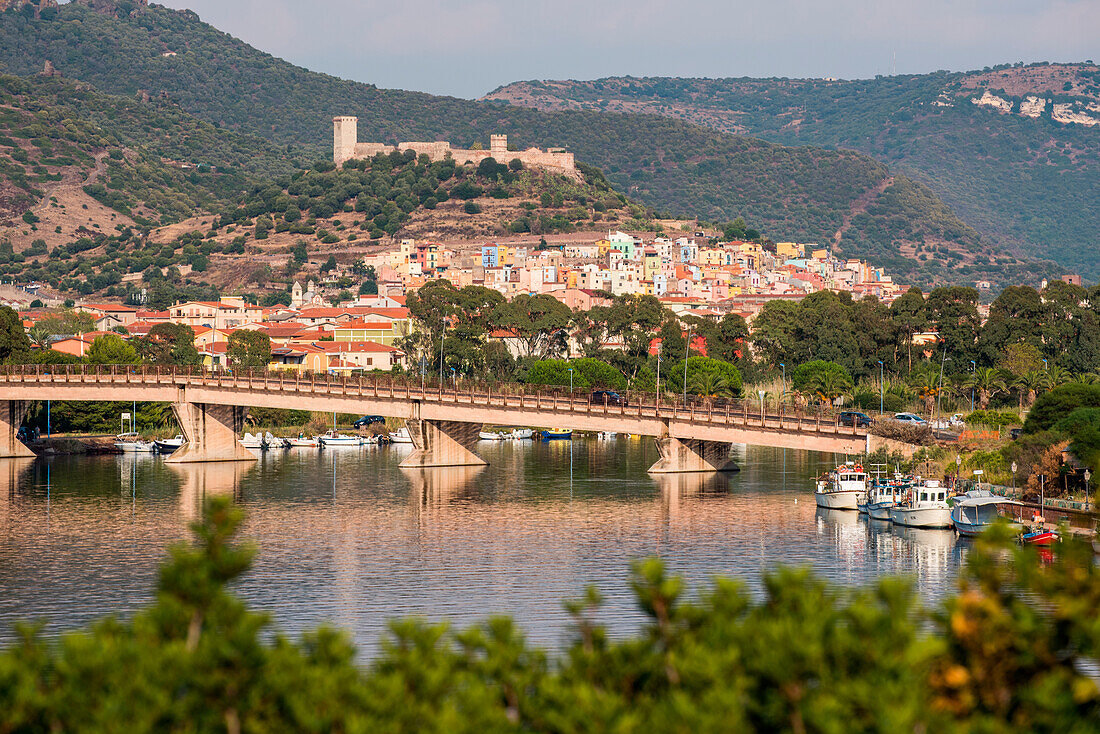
(370, 360)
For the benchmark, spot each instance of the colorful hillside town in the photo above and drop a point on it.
(319, 332)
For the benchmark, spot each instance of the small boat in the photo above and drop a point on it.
(923, 506)
(558, 434)
(841, 488)
(130, 443)
(333, 439)
(401, 435)
(606, 435)
(1039, 536)
(168, 445)
(493, 436)
(251, 441)
(976, 510)
(302, 442)
(884, 495)
(522, 434)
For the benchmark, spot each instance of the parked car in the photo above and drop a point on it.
(368, 420)
(910, 418)
(606, 397)
(855, 418)
(1014, 433)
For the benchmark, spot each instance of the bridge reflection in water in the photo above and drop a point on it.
(348, 537)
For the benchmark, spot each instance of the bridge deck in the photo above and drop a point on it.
(712, 420)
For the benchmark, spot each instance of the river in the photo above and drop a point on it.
(348, 538)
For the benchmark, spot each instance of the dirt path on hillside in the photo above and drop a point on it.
(859, 206)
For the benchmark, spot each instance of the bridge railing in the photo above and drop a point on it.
(691, 408)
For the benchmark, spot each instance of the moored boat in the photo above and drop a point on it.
(558, 434)
(130, 443)
(841, 488)
(251, 441)
(976, 510)
(884, 495)
(332, 439)
(521, 434)
(168, 445)
(923, 506)
(1039, 536)
(302, 442)
(493, 436)
(401, 435)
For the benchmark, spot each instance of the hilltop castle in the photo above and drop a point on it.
(346, 146)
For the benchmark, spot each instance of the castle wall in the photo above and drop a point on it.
(346, 147)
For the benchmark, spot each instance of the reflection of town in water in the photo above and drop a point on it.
(347, 537)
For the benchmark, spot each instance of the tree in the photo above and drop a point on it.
(987, 382)
(1019, 359)
(805, 376)
(703, 371)
(910, 318)
(249, 349)
(829, 385)
(14, 345)
(927, 384)
(953, 313)
(169, 344)
(1031, 383)
(111, 349)
(329, 265)
(66, 322)
(536, 320)
(1015, 317)
(709, 385)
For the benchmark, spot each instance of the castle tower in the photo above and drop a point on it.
(498, 147)
(345, 133)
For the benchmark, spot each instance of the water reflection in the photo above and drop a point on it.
(348, 537)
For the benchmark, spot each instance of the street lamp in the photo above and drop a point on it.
(1088, 476)
(442, 333)
(881, 389)
(570, 379)
(1014, 467)
(783, 389)
(973, 368)
(454, 378)
(687, 351)
(958, 467)
(660, 344)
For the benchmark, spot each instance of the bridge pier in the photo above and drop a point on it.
(692, 455)
(211, 432)
(12, 413)
(442, 443)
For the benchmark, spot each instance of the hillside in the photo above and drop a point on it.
(1015, 150)
(801, 193)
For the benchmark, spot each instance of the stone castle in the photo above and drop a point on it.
(346, 146)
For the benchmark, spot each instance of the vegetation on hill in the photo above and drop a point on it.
(792, 193)
(1027, 182)
(379, 195)
(148, 161)
(1010, 652)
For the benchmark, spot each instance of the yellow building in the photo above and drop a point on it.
(790, 250)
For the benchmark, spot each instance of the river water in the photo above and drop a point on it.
(348, 538)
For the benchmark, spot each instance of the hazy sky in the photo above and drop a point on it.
(468, 47)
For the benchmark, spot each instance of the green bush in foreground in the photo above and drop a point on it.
(1002, 655)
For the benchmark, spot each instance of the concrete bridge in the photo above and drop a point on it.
(443, 421)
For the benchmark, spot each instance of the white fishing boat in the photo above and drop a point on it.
(606, 435)
(493, 435)
(168, 445)
(522, 434)
(923, 506)
(882, 496)
(332, 439)
(401, 435)
(976, 510)
(841, 488)
(302, 442)
(131, 443)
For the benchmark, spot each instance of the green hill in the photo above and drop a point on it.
(808, 194)
(1028, 182)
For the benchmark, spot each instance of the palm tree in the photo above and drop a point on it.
(1058, 375)
(39, 336)
(828, 386)
(1087, 378)
(987, 382)
(709, 385)
(927, 385)
(1033, 382)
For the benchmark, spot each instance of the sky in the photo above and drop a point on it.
(467, 48)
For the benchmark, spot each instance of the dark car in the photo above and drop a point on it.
(606, 397)
(1014, 433)
(855, 418)
(368, 420)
